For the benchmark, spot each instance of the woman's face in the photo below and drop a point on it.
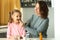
(37, 9)
(16, 17)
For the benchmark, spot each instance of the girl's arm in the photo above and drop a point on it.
(9, 32)
(22, 25)
(23, 30)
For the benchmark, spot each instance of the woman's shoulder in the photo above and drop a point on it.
(46, 19)
(34, 16)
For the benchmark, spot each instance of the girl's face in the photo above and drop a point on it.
(16, 17)
(37, 9)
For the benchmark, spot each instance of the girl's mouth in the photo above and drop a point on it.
(18, 20)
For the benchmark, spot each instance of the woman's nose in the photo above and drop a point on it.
(35, 8)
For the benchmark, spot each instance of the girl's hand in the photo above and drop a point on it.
(11, 38)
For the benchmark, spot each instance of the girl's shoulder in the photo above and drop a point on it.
(9, 24)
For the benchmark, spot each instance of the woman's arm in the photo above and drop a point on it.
(40, 28)
(43, 26)
(30, 29)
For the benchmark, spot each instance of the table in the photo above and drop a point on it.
(38, 38)
(33, 39)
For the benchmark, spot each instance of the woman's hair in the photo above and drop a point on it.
(11, 13)
(43, 8)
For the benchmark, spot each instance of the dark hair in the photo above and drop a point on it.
(11, 13)
(43, 8)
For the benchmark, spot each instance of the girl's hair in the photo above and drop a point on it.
(11, 13)
(43, 8)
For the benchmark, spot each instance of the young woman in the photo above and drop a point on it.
(39, 21)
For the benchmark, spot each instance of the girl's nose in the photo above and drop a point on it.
(18, 18)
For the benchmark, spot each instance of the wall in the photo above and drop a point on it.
(52, 1)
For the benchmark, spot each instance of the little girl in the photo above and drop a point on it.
(15, 29)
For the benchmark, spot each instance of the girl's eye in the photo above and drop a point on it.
(16, 16)
(19, 16)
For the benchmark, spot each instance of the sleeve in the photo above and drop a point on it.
(9, 31)
(24, 33)
(43, 26)
(30, 29)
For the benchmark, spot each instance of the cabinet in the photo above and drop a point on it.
(31, 3)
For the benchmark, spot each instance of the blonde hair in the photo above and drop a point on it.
(11, 13)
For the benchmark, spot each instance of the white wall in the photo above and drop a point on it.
(51, 31)
(52, 1)
(57, 18)
(27, 12)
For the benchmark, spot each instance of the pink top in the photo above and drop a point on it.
(15, 29)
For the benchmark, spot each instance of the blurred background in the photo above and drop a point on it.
(27, 9)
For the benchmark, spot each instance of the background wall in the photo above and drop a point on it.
(52, 1)
(27, 12)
